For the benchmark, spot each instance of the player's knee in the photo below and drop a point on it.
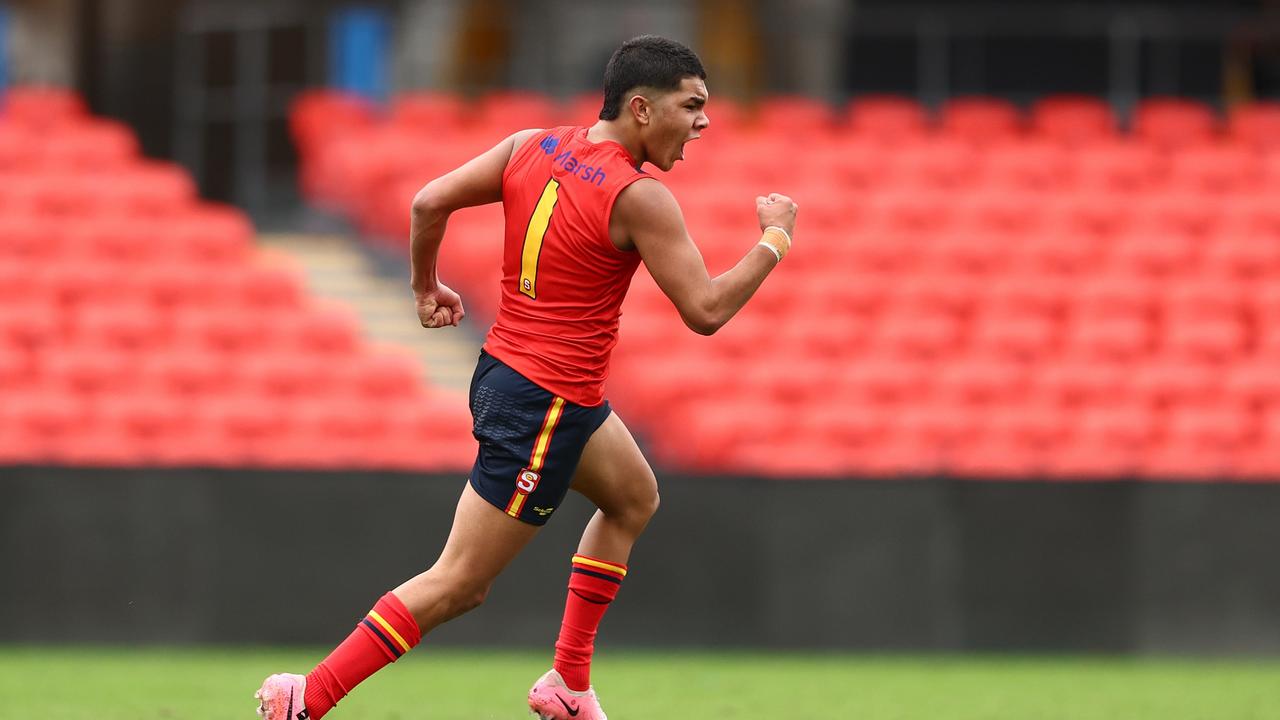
(639, 511)
(651, 505)
(468, 597)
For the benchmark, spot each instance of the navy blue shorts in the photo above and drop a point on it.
(530, 441)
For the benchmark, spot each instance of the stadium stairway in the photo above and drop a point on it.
(340, 269)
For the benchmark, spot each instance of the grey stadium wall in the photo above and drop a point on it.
(205, 556)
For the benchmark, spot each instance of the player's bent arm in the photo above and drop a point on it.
(477, 182)
(652, 220)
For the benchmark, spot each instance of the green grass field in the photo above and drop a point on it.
(153, 684)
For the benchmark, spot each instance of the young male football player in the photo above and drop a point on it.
(581, 215)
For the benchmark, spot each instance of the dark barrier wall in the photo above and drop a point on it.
(259, 557)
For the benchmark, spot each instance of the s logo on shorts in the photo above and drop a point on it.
(527, 481)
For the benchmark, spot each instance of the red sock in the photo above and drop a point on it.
(386, 633)
(592, 586)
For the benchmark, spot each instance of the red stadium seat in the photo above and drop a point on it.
(1022, 336)
(882, 379)
(1116, 166)
(1030, 164)
(790, 114)
(1253, 381)
(1079, 381)
(212, 234)
(133, 328)
(1257, 124)
(93, 371)
(1100, 214)
(1144, 251)
(1034, 422)
(20, 150)
(1215, 169)
(42, 107)
(33, 327)
(1114, 294)
(273, 286)
(1243, 255)
(1218, 426)
(1012, 215)
(150, 422)
(939, 164)
(1174, 122)
(899, 455)
(1073, 119)
(971, 249)
(918, 334)
(1059, 252)
(327, 329)
(387, 377)
(937, 292)
(1111, 338)
(429, 113)
(231, 331)
(1209, 295)
(980, 119)
(980, 381)
(938, 425)
(1212, 339)
(514, 110)
(887, 117)
(861, 162)
(993, 457)
(1178, 213)
(1025, 293)
(286, 375)
(191, 373)
(17, 368)
(1171, 380)
(100, 145)
(1127, 424)
(1089, 458)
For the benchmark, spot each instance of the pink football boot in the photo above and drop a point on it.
(551, 699)
(280, 698)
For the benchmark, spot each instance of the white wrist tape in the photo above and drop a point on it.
(777, 240)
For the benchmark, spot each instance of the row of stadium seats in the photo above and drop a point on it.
(50, 425)
(976, 292)
(139, 325)
(367, 167)
(1063, 118)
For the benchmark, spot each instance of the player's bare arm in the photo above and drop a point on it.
(648, 217)
(478, 182)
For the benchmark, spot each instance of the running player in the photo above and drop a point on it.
(580, 217)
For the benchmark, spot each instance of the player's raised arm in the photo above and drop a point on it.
(478, 182)
(652, 220)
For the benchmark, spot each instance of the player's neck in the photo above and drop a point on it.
(607, 130)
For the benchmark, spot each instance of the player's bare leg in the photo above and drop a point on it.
(614, 475)
(482, 542)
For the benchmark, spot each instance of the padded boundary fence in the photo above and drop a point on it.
(256, 557)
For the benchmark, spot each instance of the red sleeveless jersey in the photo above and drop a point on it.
(563, 280)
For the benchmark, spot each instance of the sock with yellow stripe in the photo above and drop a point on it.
(383, 636)
(593, 583)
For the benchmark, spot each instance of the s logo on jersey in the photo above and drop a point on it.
(527, 481)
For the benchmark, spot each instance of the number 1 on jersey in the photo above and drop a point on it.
(533, 238)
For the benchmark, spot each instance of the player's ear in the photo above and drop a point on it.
(640, 108)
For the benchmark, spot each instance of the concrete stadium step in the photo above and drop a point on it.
(340, 269)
